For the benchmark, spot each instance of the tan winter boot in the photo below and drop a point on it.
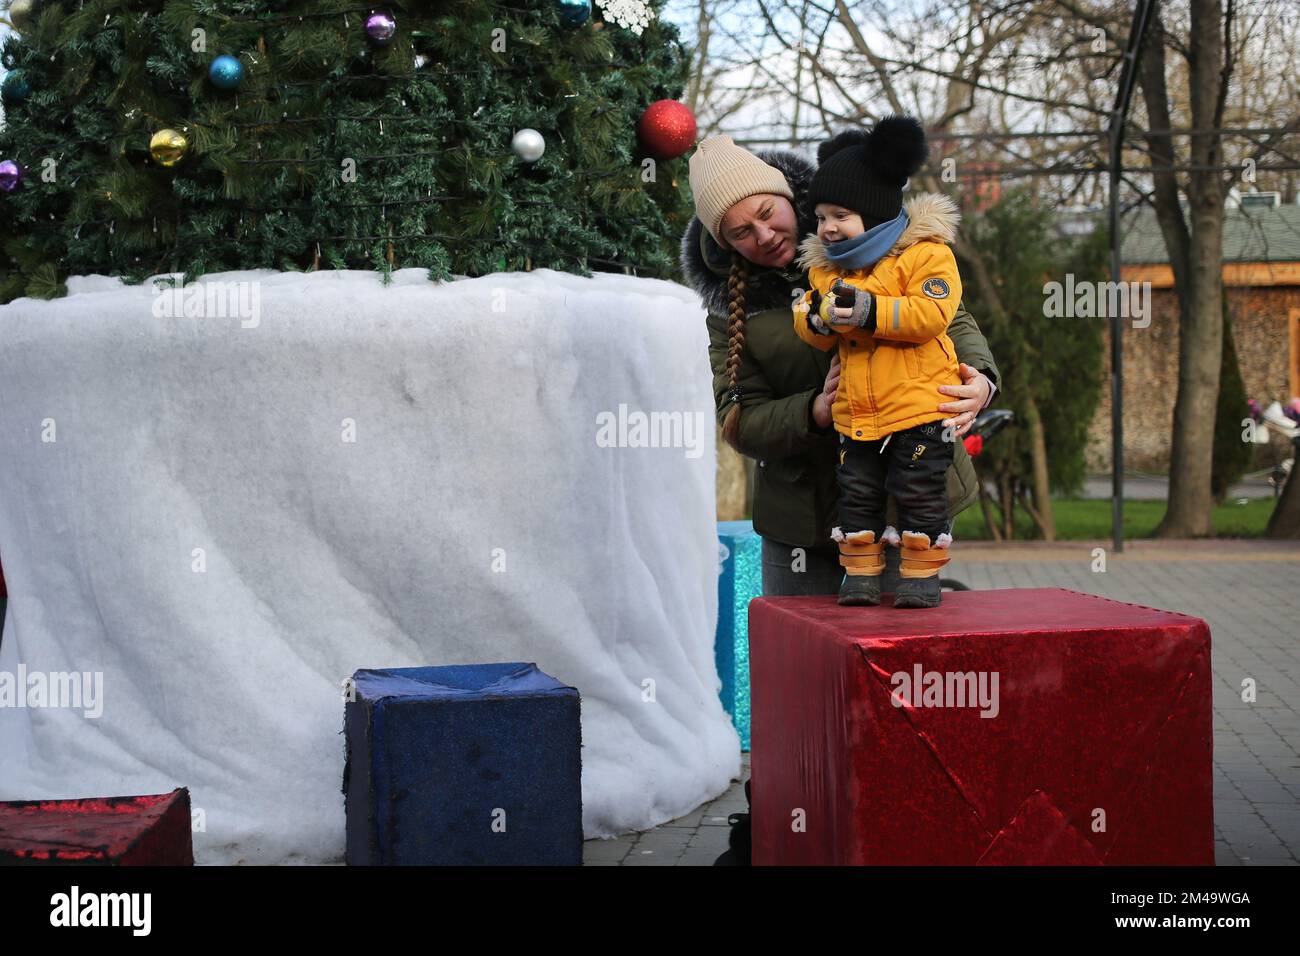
(918, 584)
(863, 559)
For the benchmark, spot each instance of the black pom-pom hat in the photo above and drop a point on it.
(866, 171)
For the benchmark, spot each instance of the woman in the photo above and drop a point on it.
(773, 392)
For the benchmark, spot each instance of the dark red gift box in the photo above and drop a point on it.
(870, 745)
(145, 830)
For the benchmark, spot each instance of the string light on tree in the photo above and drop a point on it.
(11, 174)
(666, 129)
(528, 145)
(226, 72)
(168, 147)
(574, 13)
(381, 27)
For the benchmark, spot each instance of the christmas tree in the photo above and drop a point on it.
(461, 136)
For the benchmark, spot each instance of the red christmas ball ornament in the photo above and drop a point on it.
(666, 129)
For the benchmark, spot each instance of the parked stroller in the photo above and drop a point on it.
(1284, 421)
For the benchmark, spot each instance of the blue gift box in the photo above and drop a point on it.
(463, 764)
(740, 579)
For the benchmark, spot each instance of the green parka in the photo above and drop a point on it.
(795, 489)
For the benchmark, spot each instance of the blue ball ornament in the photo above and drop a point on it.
(574, 12)
(226, 72)
(15, 88)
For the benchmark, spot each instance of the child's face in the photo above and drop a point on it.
(835, 223)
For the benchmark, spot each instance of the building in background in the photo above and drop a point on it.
(1261, 276)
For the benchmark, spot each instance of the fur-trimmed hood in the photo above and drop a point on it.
(930, 216)
(706, 265)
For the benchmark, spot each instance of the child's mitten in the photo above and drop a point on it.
(862, 303)
(817, 313)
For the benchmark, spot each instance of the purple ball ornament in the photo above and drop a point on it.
(381, 27)
(11, 174)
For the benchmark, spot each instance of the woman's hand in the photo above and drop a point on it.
(973, 393)
(821, 409)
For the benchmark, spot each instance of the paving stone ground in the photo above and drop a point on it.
(1245, 590)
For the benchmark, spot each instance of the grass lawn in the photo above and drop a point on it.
(1080, 519)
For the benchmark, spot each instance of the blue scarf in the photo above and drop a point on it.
(865, 249)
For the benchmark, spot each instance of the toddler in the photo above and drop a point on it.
(884, 288)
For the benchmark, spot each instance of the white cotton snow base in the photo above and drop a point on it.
(475, 431)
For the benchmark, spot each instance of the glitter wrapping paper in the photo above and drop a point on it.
(740, 579)
(144, 830)
(1097, 749)
(438, 755)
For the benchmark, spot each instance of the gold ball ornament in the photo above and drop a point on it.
(168, 147)
(20, 13)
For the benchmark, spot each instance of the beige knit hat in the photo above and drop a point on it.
(723, 173)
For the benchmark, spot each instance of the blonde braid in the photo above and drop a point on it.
(735, 345)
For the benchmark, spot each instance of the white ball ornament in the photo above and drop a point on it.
(528, 145)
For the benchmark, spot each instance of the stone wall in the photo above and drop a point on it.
(1260, 322)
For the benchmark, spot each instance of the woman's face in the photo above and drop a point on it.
(762, 228)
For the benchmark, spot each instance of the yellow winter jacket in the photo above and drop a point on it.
(889, 379)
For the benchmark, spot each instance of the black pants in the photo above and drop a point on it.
(912, 465)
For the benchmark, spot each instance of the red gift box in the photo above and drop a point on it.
(148, 830)
(1035, 727)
